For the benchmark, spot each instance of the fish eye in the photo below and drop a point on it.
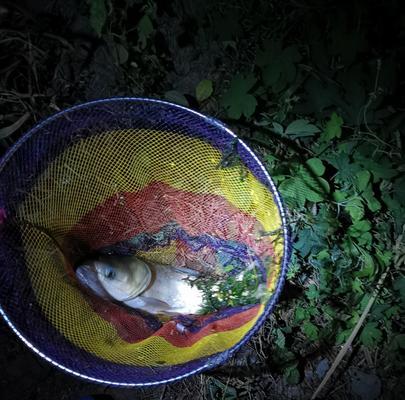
(109, 273)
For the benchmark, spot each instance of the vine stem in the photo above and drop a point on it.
(352, 336)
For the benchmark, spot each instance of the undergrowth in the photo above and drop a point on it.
(315, 89)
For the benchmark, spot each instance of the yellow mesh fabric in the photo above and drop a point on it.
(107, 164)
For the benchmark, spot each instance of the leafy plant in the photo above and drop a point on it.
(231, 289)
(237, 100)
(98, 15)
(338, 171)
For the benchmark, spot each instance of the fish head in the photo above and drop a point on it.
(87, 275)
(123, 278)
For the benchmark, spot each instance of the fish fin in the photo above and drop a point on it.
(148, 303)
(187, 271)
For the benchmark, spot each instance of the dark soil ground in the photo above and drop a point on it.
(50, 59)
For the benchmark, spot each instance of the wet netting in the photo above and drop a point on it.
(130, 176)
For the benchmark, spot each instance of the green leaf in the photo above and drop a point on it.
(365, 239)
(280, 338)
(278, 65)
(310, 330)
(312, 292)
(324, 184)
(355, 208)
(98, 15)
(381, 168)
(316, 166)
(368, 267)
(237, 100)
(292, 375)
(362, 179)
(358, 228)
(343, 335)
(300, 314)
(370, 335)
(219, 390)
(301, 128)
(145, 30)
(333, 128)
(339, 196)
(357, 286)
(399, 341)
(176, 97)
(298, 189)
(204, 90)
(372, 203)
(384, 257)
(277, 128)
(399, 285)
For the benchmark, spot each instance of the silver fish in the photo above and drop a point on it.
(157, 289)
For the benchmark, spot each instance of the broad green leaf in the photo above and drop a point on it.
(368, 266)
(343, 335)
(339, 196)
(292, 375)
(312, 292)
(299, 189)
(320, 95)
(145, 30)
(98, 15)
(355, 208)
(380, 168)
(357, 286)
(309, 241)
(372, 203)
(204, 90)
(278, 128)
(220, 390)
(324, 185)
(237, 100)
(301, 128)
(359, 227)
(362, 179)
(310, 330)
(176, 97)
(280, 338)
(370, 335)
(365, 239)
(333, 128)
(316, 166)
(399, 285)
(120, 53)
(278, 65)
(300, 314)
(392, 311)
(346, 169)
(323, 255)
(384, 257)
(399, 341)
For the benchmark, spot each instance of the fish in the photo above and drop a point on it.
(154, 288)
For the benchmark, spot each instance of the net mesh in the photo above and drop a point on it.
(132, 176)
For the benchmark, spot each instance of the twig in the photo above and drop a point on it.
(352, 336)
(163, 393)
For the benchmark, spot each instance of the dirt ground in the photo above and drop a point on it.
(48, 68)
